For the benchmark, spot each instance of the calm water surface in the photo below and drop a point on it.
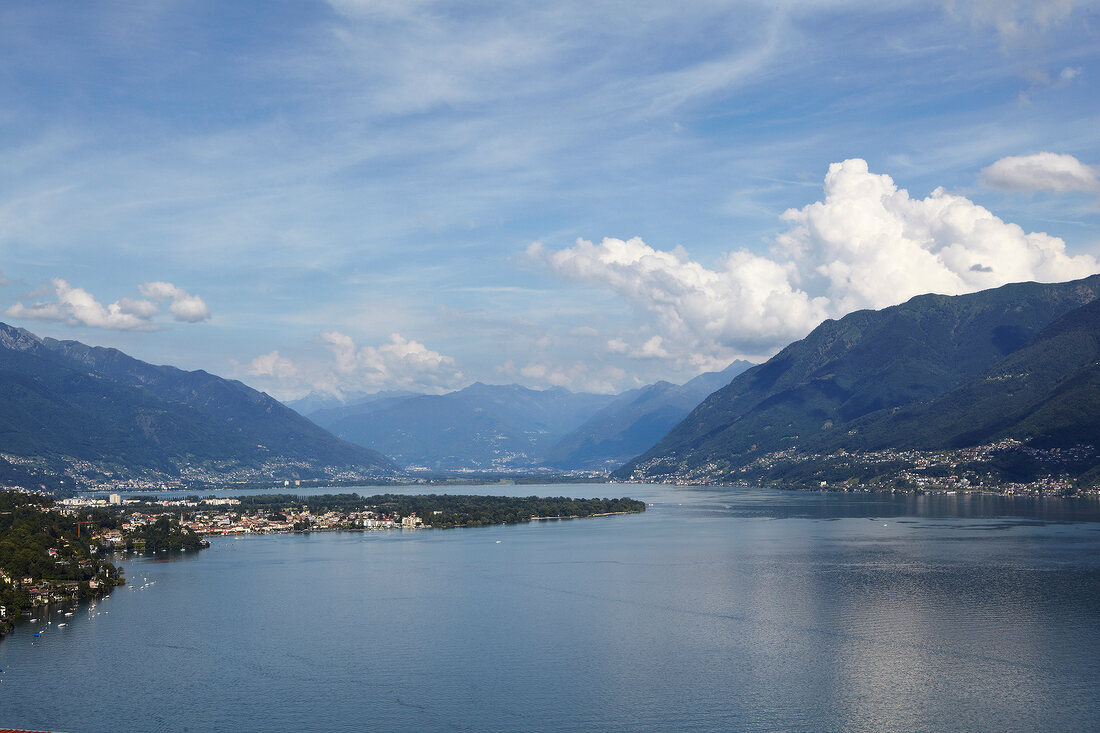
(715, 610)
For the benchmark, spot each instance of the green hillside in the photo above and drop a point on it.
(847, 376)
(1047, 393)
(66, 408)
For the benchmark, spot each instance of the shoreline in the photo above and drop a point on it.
(416, 528)
(1093, 493)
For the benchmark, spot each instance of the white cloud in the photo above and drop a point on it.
(78, 306)
(401, 363)
(63, 302)
(867, 244)
(272, 365)
(183, 306)
(871, 245)
(1068, 74)
(653, 348)
(343, 367)
(1041, 172)
(138, 307)
(618, 346)
(578, 376)
(749, 299)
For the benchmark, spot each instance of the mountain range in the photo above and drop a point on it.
(1014, 363)
(509, 427)
(96, 413)
(1005, 382)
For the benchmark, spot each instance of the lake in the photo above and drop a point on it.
(717, 609)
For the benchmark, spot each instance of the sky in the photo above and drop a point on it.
(355, 195)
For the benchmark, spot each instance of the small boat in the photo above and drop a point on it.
(61, 624)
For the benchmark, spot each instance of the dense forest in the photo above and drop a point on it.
(163, 535)
(48, 556)
(50, 549)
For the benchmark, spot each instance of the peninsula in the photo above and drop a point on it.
(292, 513)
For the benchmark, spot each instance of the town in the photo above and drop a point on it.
(1007, 467)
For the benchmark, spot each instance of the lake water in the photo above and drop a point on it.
(717, 609)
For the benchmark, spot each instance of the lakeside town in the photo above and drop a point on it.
(214, 516)
(54, 551)
(977, 469)
(262, 514)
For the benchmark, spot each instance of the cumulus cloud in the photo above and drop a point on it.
(1041, 172)
(652, 348)
(78, 306)
(867, 244)
(272, 365)
(873, 245)
(750, 298)
(64, 302)
(343, 368)
(401, 363)
(183, 306)
(581, 376)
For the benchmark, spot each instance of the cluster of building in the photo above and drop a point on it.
(204, 519)
(927, 470)
(42, 591)
(73, 473)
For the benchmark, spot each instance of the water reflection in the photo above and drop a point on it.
(716, 609)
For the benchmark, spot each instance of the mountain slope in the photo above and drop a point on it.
(65, 402)
(1046, 393)
(635, 421)
(866, 362)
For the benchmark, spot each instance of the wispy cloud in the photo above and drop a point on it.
(355, 163)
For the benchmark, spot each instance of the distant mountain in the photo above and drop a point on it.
(508, 427)
(855, 383)
(634, 421)
(97, 412)
(485, 427)
(364, 405)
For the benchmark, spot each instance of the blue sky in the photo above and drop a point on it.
(354, 196)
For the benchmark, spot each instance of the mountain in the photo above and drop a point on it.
(484, 427)
(97, 412)
(1047, 393)
(509, 427)
(315, 402)
(364, 405)
(849, 374)
(634, 421)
